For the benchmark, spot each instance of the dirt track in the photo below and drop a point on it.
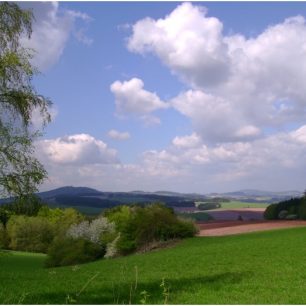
(224, 228)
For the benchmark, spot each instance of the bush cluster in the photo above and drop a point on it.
(287, 210)
(31, 234)
(66, 251)
(35, 230)
(140, 226)
(70, 238)
(3, 237)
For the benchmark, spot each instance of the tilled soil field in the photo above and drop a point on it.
(233, 214)
(223, 228)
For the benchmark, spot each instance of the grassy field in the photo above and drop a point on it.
(239, 204)
(257, 268)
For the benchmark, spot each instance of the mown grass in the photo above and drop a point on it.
(257, 268)
(239, 204)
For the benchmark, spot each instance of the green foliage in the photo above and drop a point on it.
(281, 210)
(3, 237)
(81, 242)
(28, 205)
(32, 234)
(140, 226)
(67, 251)
(20, 171)
(5, 214)
(291, 217)
(120, 215)
(302, 209)
(282, 214)
(62, 219)
(271, 212)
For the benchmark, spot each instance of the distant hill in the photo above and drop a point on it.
(253, 195)
(261, 193)
(89, 200)
(69, 190)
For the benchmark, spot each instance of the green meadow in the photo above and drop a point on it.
(257, 268)
(240, 204)
(233, 204)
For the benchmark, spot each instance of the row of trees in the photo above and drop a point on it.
(69, 237)
(290, 209)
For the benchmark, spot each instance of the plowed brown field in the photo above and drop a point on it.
(223, 228)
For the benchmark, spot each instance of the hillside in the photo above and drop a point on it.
(206, 270)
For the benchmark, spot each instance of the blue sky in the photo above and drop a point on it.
(192, 97)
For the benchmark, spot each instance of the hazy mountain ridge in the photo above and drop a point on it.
(92, 200)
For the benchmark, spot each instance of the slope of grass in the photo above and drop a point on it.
(257, 268)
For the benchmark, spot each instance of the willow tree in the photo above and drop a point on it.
(20, 171)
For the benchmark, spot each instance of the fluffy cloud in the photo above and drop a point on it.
(214, 119)
(189, 141)
(79, 149)
(187, 41)
(240, 86)
(118, 135)
(132, 98)
(51, 30)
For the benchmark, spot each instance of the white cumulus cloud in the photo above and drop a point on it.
(189, 141)
(79, 149)
(186, 41)
(239, 86)
(114, 134)
(132, 98)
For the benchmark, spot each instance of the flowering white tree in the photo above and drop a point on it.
(92, 231)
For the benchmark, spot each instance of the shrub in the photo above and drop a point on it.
(61, 218)
(32, 234)
(271, 212)
(182, 229)
(25, 205)
(296, 206)
(139, 226)
(302, 210)
(282, 214)
(3, 237)
(100, 231)
(291, 217)
(90, 239)
(5, 215)
(68, 251)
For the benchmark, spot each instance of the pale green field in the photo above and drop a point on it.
(239, 204)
